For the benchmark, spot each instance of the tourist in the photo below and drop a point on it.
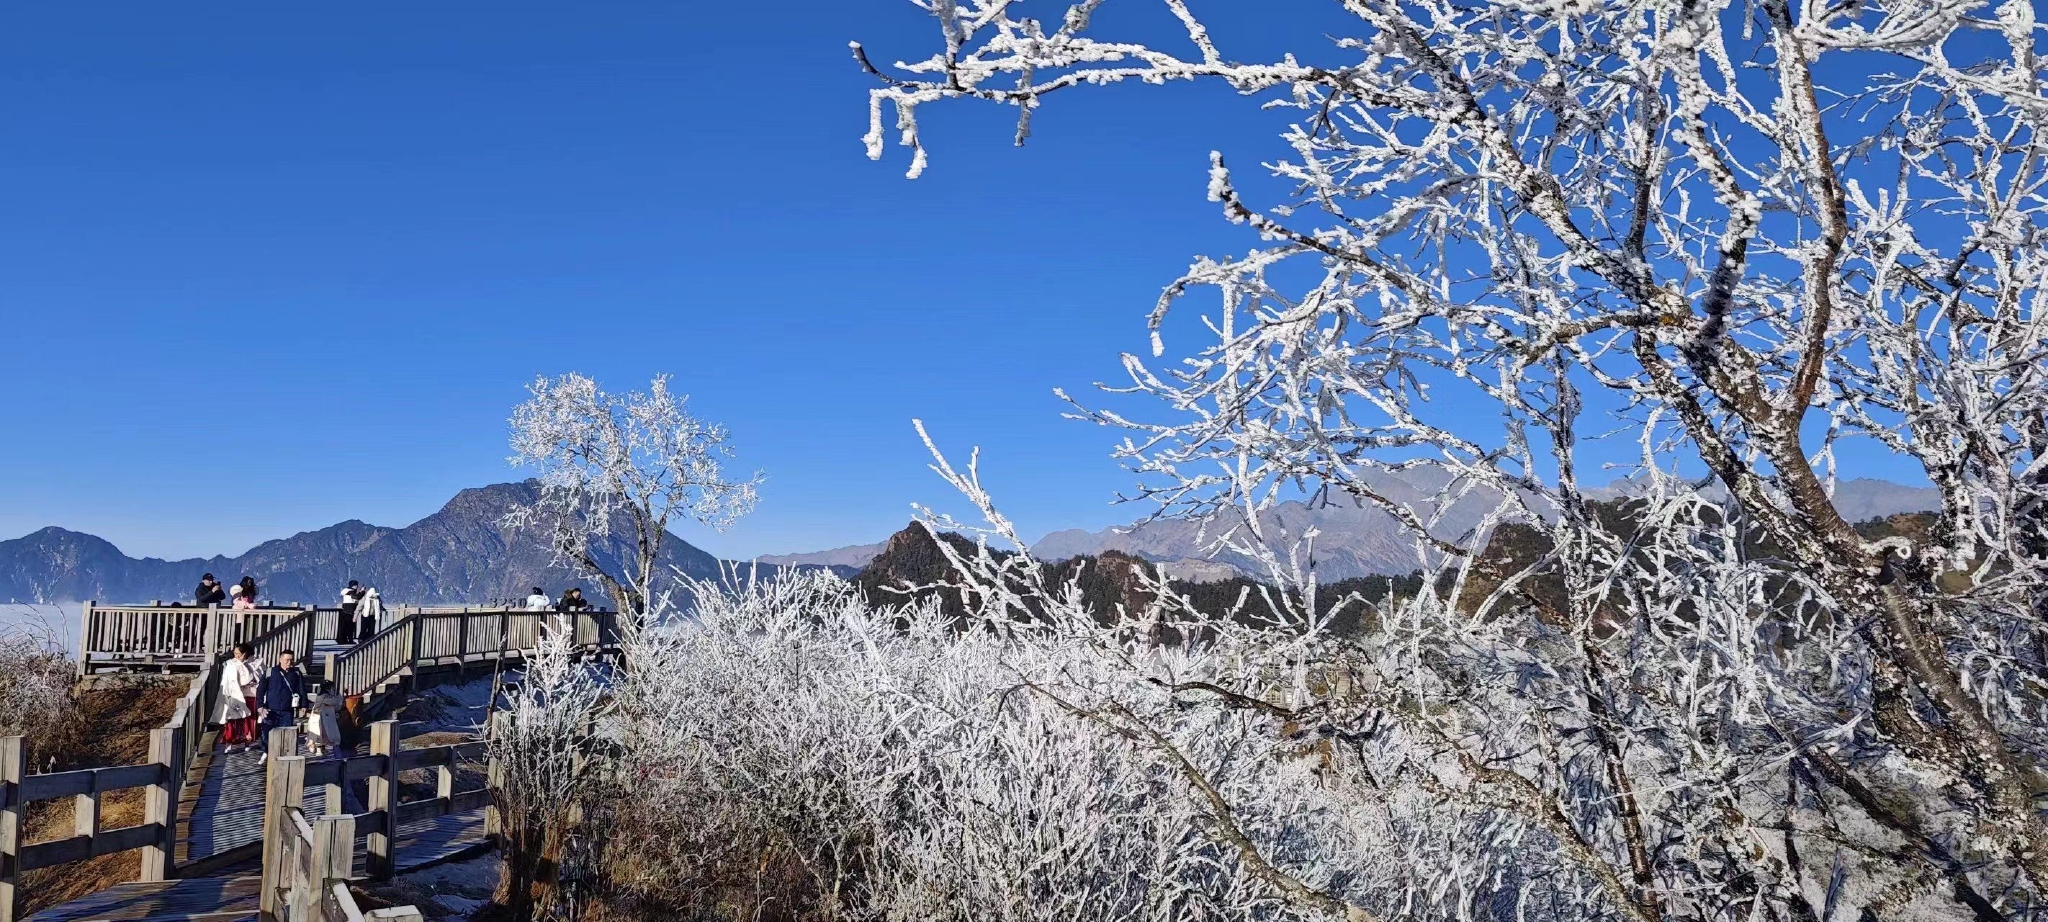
(368, 608)
(351, 599)
(237, 712)
(323, 722)
(210, 592)
(539, 601)
(572, 600)
(244, 593)
(282, 697)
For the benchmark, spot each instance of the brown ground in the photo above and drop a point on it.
(111, 728)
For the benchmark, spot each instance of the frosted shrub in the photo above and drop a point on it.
(35, 684)
(550, 769)
(916, 772)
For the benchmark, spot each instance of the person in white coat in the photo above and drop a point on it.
(237, 711)
(367, 612)
(539, 601)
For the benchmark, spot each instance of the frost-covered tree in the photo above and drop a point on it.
(1750, 236)
(546, 762)
(619, 469)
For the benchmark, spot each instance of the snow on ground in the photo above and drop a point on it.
(447, 709)
(449, 892)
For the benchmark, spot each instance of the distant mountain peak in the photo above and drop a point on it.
(1355, 541)
(461, 553)
(849, 558)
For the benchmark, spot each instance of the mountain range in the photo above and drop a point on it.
(465, 553)
(461, 553)
(844, 560)
(1355, 539)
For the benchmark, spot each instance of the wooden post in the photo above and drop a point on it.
(145, 630)
(494, 774)
(383, 806)
(334, 805)
(461, 644)
(85, 815)
(282, 742)
(160, 804)
(444, 788)
(412, 682)
(333, 858)
(284, 786)
(84, 645)
(13, 770)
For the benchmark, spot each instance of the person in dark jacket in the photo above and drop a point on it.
(572, 600)
(210, 592)
(281, 699)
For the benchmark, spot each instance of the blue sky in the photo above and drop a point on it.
(266, 267)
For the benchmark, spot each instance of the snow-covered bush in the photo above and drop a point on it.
(35, 683)
(549, 768)
(917, 772)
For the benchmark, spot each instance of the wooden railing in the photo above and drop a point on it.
(308, 881)
(160, 635)
(196, 638)
(314, 862)
(156, 836)
(290, 875)
(421, 638)
(362, 668)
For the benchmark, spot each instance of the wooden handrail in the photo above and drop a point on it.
(309, 882)
(171, 635)
(430, 637)
(86, 787)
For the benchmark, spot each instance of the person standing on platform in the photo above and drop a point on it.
(351, 599)
(237, 710)
(210, 592)
(367, 611)
(282, 698)
(539, 601)
(244, 593)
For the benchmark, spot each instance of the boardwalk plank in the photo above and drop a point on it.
(226, 813)
(202, 899)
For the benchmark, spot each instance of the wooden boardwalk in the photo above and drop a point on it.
(200, 899)
(214, 803)
(224, 812)
(427, 842)
(220, 834)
